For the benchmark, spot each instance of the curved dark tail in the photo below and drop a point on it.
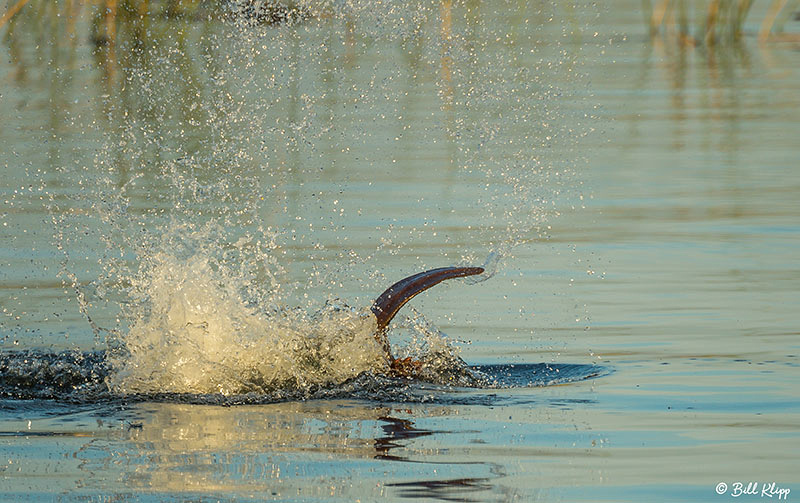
(396, 296)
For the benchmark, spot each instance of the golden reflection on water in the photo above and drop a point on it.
(265, 447)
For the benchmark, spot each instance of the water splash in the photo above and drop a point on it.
(193, 329)
(236, 163)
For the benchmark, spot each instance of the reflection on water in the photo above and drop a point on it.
(713, 23)
(275, 451)
(260, 447)
(443, 489)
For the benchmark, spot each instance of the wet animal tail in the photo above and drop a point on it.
(395, 297)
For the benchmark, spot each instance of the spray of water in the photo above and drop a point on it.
(193, 332)
(251, 172)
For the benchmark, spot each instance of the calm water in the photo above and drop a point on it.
(203, 188)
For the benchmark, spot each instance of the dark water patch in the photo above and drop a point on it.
(75, 377)
(460, 489)
(68, 375)
(529, 375)
(42, 434)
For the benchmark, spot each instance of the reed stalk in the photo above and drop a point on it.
(12, 11)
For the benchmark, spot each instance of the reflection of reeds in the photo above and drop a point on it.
(716, 21)
(777, 14)
(111, 12)
(13, 10)
(132, 20)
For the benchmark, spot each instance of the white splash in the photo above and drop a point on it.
(198, 335)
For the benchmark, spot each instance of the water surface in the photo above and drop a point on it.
(634, 201)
